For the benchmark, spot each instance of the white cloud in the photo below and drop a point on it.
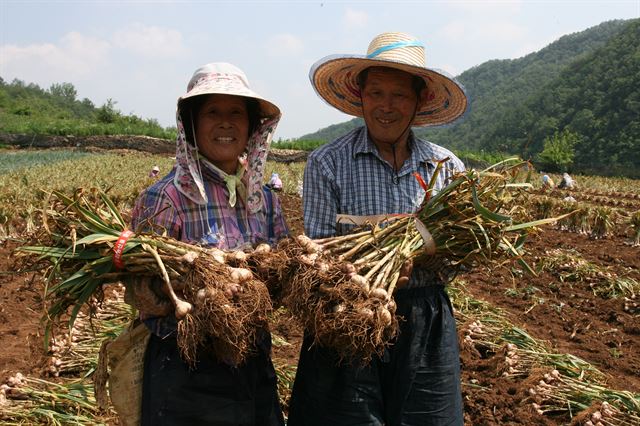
(150, 41)
(534, 46)
(454, 30)
(502, 31)
(284, 45)
(493, 7)
(75, 56)
(448, 68)
(355, 19)
(496, 31)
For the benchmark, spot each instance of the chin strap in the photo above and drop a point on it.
(396, 178)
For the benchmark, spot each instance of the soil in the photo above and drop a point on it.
(121, 143)
(108, 142)
(567, 316)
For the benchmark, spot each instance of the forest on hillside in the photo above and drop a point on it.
(26, 108)
(573, 105)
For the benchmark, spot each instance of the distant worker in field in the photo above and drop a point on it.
(547, 182)
(567, 182)
(155, 172)
(275, 183)
(371, 171)
(300, 188)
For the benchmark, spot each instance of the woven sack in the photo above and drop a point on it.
(125, 358)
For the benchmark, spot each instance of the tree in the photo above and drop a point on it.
(558, 152)
(65, 91)
(108, 113)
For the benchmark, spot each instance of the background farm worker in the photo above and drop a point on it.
(214, 196)
(155, 171)
(300, 188)
(370, 171)
(566, 182)
(275, 182)
(547, 182)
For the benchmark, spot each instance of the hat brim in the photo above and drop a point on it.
(267, 108)
(334, 78)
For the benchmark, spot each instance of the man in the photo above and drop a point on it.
(371, 171)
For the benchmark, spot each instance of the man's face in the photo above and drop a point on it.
(389, 104)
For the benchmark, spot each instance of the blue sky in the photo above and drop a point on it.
(141, 54)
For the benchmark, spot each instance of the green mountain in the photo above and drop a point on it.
(586, 83)
(597, 98)
(330, 133)
(29, 109)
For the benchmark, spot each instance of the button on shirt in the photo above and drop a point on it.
(348, 176)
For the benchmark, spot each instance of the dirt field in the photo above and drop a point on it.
(567, 316)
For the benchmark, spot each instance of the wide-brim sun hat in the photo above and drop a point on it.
(334, 79)
(221, 78)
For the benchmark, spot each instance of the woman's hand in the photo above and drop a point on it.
(146, 295)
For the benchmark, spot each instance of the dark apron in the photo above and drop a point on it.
(417, 382)
(213, 393)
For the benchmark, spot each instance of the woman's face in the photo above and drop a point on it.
(223, 130)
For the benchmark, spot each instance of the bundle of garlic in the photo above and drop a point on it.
(341, 287)
(88, 245)
(596, 404)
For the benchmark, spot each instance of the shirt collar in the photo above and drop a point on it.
(421, 150)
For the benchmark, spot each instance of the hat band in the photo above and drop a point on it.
(411, 43)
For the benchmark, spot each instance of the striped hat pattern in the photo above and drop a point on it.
(334, 79)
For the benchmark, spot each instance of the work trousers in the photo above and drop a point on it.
(415, 383)
(213, 393)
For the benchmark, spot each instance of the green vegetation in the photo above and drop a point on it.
(586, 83)
(572, 106)
(597, 97)
(334, 131)
(24, 188)
(300, 144)
(559, 151)
(27, 176)
(481, 159)
(29, 109)
(14, 160)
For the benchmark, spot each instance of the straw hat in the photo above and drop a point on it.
(334, 79)
(225, 79)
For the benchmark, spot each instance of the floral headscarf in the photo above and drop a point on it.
(227, 79)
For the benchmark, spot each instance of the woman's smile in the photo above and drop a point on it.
(223, 130)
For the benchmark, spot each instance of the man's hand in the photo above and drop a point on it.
(405, 274)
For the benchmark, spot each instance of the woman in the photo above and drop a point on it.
(214, 196)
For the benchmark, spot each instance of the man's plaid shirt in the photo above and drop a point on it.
(348, 176)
